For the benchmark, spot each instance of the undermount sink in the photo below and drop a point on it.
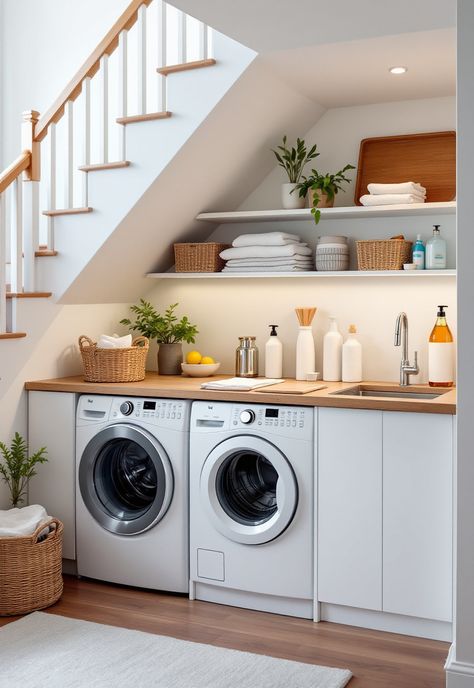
(367, 391)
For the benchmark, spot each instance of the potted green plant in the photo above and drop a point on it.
(293, 160)
(167, 330)
(17, 468)
(322, 189)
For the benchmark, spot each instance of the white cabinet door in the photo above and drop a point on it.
(350, 507)
(417, 514)
(52, 424)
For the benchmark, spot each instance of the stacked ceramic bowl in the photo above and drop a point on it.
(332, 254)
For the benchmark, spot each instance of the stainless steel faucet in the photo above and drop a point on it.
(406, 369)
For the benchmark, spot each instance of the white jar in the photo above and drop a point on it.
(305, 354)
(332, 353)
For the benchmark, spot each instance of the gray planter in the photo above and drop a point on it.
(170, 357)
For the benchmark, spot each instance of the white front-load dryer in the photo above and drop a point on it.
(132, 491)
(251, 506)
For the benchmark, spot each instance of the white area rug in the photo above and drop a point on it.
(48, 651)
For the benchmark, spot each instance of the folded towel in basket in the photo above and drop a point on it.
(22, 522)
(266, 239)
(114, 342)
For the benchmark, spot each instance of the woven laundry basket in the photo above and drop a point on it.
(31, 570)
(384, 254)
(114, 365)
(202, 257)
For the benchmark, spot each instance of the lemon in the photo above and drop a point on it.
(193, 357)
(207, 360)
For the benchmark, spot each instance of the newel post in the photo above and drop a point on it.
(29, 120)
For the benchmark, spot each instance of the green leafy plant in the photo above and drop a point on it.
(166, 329)
(17, 468)
(293, 160)
(329, 184)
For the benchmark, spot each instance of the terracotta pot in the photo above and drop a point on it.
(323, 199)
(291, 201)
(170, 357)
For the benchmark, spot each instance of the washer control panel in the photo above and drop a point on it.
(148, 409)
(171, 413)
(270, 417)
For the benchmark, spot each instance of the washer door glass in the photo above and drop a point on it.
(249, 490)
(125, 479)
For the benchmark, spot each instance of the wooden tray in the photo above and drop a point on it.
(429, 159)
(292, 387)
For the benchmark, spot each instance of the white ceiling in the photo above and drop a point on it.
(270, 25)
(356, 72)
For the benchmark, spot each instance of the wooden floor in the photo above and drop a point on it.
(377, 660)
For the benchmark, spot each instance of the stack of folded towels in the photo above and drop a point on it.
(269, 252)
(394, 194)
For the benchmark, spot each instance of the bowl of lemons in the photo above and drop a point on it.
(198, 365)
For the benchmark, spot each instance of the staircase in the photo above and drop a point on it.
(89, 159)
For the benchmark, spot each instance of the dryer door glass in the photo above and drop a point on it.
(125, 479)
(246, 487)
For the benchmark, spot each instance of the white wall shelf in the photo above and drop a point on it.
(360, 274)
(350, 212)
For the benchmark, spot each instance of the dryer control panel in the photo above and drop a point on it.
(172, 413)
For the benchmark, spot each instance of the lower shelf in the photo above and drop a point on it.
(363, 274)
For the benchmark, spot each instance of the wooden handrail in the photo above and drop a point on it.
(89, 68)
(18, 166)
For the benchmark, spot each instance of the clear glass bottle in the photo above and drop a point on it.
(441, 353)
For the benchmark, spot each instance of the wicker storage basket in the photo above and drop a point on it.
(385, 254)
(202, 257)
(113, 365)
(30, 571)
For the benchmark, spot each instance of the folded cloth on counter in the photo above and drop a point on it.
(402, 188)
(269, 268)
(266, 251)
(114, 342)
(391, 199)
(21, 522)
(266, 239)
(240, 383)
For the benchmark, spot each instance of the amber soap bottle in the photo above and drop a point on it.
(441, 353)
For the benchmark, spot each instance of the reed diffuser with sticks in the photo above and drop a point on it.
(305, 354)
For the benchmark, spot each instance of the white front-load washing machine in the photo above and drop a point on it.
(251, 506)
(132, 491)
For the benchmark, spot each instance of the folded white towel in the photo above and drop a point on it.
(402, 188)
(20, 522)
(266, 251)
(290, 260)
(269, 268)
(391, 199)
(114, 342)
(266, 239)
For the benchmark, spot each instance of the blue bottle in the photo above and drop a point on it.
(419, 253)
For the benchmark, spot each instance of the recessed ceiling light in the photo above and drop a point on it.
(398, 70)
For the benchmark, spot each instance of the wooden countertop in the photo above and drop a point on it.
(178, 387)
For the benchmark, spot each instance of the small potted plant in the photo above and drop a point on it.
(322, 189)
(17, 468)
(293, 160)
(167, 330)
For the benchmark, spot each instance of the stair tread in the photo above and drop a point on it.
(185, 66)
(104, 166)
(143, 118)
(12, 335)
(29, 294)
(66, 211)
(45, 252)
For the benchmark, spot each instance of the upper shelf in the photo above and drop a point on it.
(350, 212)
(403, 274)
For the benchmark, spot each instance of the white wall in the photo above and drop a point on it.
(225, 309)
(460, 665)
(44, 44)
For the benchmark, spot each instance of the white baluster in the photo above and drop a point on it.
(31, 232)
(141, 45)
(182, 37)
(104, 105)
(122, 90)
(51, 177)
(69, 189)
(161, 56)
(3, 261)
(203, 41)
(16, 236)
(86, 141)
